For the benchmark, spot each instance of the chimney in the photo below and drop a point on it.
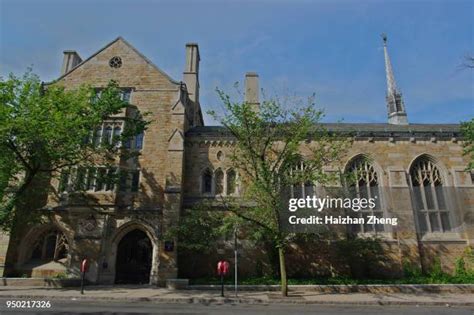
(191, 71)
(252, 90)
(71, 59)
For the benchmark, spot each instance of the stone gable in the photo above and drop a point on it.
(136, 70)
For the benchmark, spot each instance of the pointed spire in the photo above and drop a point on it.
(395, 106)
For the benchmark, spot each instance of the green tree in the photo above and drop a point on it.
(468, 62)
(467, 128)
(44, 130)
(268, 157)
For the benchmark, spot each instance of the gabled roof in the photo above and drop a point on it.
(120, 38)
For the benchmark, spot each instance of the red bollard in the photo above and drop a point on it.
(222, 270)
(84, 268)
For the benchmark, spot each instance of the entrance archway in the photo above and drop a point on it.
(134, 258)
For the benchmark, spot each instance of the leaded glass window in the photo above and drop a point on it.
(363, 182)
(428, 197)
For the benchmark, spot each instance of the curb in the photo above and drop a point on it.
(349, 288)
(221, 301)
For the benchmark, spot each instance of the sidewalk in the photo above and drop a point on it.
(161, 295)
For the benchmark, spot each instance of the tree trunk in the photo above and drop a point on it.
(284, 280)
(271, 251)
(8, 218)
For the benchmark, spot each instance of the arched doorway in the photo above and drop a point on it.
(134, 258)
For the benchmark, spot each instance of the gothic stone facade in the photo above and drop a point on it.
(183, 161)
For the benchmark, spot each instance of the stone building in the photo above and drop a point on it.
(182, 161)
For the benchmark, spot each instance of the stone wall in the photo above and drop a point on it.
(4, 241)
(392, 159)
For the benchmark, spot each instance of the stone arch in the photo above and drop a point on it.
(121, 232)
(53, 254)
(29, 240)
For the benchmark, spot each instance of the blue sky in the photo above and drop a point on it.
(331, 48)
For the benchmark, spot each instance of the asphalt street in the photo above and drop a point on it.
(113, 308)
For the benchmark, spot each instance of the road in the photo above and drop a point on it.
(114, 308)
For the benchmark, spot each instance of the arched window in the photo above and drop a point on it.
(51, 245)
(219, 175)
(428, 196)
(206, 184)
(231, 182)
(363, 182)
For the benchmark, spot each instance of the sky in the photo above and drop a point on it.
(330, 48)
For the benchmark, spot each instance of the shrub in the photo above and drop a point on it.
(410, 270)
(460, 267)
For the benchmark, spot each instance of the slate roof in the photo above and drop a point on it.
(375, 130)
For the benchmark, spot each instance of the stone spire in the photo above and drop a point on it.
(395, 106)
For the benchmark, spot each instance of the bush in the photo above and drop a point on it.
(411, 270)
(436, 269)
(363, 256)
(460, 267)
(443, 279)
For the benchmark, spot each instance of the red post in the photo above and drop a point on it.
(84, 268)
(222, 270)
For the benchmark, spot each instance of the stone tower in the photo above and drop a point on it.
(395, 105)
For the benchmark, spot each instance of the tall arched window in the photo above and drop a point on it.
(206, 182)
(219, 175)
(428, 197)
(363, 183)
(231, 182)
